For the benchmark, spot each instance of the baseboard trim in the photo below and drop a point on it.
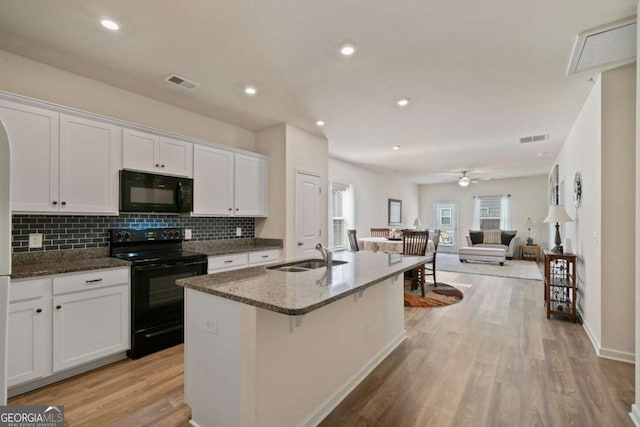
(607, 353)
(620, 356)
(635, 415)
(335, 399)
(71, 372)
(193, 423)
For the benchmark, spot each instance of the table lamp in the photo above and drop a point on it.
(417, 223)
(529, 225)
(557, 214)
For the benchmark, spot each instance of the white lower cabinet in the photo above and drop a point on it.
(63, 321)
(29, 338)
(221, 263)
(89, 325)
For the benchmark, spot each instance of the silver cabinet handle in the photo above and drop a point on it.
(265, 256)
(93, 281)
(300, 243)
(229, 261)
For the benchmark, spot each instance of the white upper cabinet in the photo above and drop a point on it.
(33, 135)
(250, 185)
(212, 181)
(89, 164)
(227, 183)
(155, 154)
(61, 163)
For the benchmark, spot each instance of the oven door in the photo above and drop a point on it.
(155, 296)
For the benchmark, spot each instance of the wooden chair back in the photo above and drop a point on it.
(436, 239)
(353, 240)
(380, 232)
(415, 242)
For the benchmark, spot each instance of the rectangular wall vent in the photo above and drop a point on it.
(534, 138)
(608, 45)
(181, 81)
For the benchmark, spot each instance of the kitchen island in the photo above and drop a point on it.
(265, 347)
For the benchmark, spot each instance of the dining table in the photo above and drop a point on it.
(386, 244)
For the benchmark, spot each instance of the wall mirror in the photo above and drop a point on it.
(395, 212)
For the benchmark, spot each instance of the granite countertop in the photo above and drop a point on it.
(44, 263)
(231, 246)
(299, 293)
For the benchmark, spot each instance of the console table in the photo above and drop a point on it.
(560, 284)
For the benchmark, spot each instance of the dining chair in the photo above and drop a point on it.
(430, 266)
(380, 232)
(353, 240)
(415, 243)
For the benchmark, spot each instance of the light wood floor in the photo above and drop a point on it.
(491, 360)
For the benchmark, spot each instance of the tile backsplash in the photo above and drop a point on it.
(83, 232)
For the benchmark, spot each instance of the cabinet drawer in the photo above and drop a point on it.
(28, 289)
(90, 280)
(227, 262)
(263, 257)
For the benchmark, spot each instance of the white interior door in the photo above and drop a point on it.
(307, 205)
(445, 214)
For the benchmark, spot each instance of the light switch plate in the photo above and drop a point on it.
(187, 234)
(238, 231)
(35, 240)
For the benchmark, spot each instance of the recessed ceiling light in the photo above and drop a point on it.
(396, 147)
(347, 49)
(320, 123)
(250, 90)
(110, 24)
(403, 102)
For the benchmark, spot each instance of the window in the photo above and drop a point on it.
(445, 216)
(340, 207)
(491, 213)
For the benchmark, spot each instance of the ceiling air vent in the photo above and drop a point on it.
(611, 44)
(534, 138)
(181, 81)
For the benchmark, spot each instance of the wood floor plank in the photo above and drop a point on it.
(491, 360)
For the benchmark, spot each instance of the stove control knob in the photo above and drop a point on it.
(178, 234)
(126, 236)
(119, 236)
(165, 234)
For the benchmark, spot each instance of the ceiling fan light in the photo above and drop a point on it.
(464, 181)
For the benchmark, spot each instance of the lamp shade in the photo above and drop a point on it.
(463, 181)
(417, 222)
(557, 214)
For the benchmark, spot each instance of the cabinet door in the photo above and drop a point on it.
(250, 185)
(212, 181)
(89, 325)
(175, 157)
(89, 164)
(33, 135)
(29, 341)
(139, 151)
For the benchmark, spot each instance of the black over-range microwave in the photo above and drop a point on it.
(147, 192)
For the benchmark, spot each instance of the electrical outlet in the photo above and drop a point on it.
(35, 240)
(212, 327)
(187, 234)
(238, 231)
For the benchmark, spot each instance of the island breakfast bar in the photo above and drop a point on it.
(272, 348)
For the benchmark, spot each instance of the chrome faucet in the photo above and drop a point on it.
(327, 255)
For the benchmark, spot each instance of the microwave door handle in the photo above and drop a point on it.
(179, 196)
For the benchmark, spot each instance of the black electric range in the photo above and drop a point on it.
(157, 303)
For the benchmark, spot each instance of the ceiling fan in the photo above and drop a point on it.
(463, 180)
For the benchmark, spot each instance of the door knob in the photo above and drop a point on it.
(39, 310)
(58, 307)
(300, 243)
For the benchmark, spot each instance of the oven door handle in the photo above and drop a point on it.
(161, 266)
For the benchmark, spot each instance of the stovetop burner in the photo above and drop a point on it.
(151, 245)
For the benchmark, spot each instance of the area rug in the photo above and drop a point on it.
(514, 268)
(434, 296)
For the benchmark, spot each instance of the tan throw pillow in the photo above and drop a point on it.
(492, 237)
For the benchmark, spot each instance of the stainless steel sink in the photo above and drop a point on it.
(303, 265)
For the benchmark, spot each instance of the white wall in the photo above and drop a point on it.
(618, 208)
(635, 410)
(34, 79)
(581, 152)
(528, 199)
(371, 191)
(272, 142)
(601, 146)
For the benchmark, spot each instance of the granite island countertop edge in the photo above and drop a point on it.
(215, 290)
